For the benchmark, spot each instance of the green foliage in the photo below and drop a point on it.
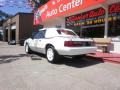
(4, 15)
(37, 3)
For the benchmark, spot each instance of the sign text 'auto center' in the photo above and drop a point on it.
(64, 7)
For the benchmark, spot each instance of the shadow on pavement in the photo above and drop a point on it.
(11, 58)
(37, 56)
(80, 62)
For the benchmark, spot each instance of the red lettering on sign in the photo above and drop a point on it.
(93, 13)
(89, 14)
(114, 8)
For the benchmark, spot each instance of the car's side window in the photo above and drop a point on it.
(36, 36)
(40, 34)
(43, 33)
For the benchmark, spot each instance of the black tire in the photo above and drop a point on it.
(27, 49)
(52, 55)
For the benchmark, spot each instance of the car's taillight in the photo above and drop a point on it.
(72, 43)
(78, 43)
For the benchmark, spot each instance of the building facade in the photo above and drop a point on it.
(92, 23)
(88, 18)
(18, 27)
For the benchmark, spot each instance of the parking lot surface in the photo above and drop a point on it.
(19, 71)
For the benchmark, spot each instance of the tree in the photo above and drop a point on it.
(36, 3)
(3, 16)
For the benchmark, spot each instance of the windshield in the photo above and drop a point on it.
(65, 32)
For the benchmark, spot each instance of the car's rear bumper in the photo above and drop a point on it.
(76, 51)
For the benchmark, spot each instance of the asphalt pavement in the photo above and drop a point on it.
(19, 71)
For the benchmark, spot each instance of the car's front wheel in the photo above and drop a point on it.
(52, 55)
(27, 49)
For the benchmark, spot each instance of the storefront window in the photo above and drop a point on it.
(88, 24)
(114, 28)
(93, 32)
(114, 20)
(91, 23)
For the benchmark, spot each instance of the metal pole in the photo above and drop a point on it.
(105, 6)
(106, 23)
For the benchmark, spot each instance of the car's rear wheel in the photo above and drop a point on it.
(52, 55)
(27, 49)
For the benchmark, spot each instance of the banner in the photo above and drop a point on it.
(56, 8)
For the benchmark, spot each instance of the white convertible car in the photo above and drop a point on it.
(56, 42)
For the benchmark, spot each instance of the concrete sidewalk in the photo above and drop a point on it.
(107, 57)
(3, 43)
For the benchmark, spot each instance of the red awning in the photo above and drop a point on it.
(56, 8)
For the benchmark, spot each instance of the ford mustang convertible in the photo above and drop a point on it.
(57, 42)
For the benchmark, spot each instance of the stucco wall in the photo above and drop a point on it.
(24, 26)
(55, 22)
